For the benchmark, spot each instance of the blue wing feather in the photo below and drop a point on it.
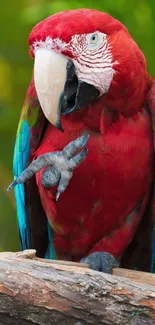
(28, 121)
(21, 154)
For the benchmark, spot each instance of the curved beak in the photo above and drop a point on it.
(58, 88)
(49, 78)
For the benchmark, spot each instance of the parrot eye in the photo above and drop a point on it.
(94, 40)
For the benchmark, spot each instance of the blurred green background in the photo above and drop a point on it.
(16, 20)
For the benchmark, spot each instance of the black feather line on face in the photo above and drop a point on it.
(77, 94)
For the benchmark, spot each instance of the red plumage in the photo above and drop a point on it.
(105, 188)
(116, 175)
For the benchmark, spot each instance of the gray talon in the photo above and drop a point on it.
(73, 146)
(76, 160)
(82, 141)
(60, 166)
(11, 186)
(64, 181)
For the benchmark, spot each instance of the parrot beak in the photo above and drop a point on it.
(49, 78)
(58, 88)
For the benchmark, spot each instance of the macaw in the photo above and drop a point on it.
(84, 152)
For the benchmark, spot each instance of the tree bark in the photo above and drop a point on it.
(33, 291)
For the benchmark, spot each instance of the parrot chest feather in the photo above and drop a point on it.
(96, 200)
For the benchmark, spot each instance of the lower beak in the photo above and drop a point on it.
(58, 88)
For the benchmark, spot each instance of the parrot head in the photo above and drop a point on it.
(81, 56)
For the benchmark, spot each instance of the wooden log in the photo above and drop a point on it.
(141, 277)
(137, 276)
(40, 292)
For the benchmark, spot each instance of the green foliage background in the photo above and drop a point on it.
(16, 20)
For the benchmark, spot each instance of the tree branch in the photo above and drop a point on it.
(34, 291)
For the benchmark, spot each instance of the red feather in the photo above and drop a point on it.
(106, 187)
(117, 172)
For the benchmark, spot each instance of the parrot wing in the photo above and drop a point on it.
(34, 229)
(140, 254)
(151, 105)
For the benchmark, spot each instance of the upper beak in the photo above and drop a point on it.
(57, 86)
(49, 78)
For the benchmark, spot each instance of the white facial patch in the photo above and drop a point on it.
(92, 57)
(101, 78)
(94, 62)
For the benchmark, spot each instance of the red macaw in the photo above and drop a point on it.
(86, 133)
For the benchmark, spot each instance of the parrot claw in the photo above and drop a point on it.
(101, 261)
(60, 166)
(67, 161)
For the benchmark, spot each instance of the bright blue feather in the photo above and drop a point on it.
(21, 154)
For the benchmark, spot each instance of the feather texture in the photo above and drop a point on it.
(95, 211)
(150, 101)
(32, 222)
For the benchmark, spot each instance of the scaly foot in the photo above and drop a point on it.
(62, 163)
(101, 261)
